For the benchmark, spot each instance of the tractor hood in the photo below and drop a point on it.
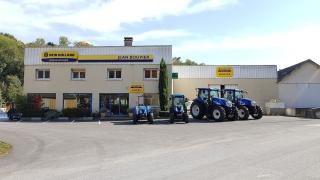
(142, 109)
(222, 102)
(247, 102)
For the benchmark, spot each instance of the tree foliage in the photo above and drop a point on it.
(13, 88)
(63, 41)
(187, 62)
(163, 86)
(81, 44)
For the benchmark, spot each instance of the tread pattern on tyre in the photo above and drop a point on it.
(201, 110)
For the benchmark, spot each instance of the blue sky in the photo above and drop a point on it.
(210, 31)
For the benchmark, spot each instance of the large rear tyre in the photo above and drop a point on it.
(150, 118)
(243, 113)
(259, 113)
(197, 110)
(218, 113)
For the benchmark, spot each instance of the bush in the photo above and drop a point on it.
(76, 112)
(52, 114)
(24, 106)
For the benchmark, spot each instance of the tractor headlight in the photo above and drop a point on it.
(229, 104)
(253, 103)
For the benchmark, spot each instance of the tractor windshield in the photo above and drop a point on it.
(214, 94)
(178, 101)
(228, 95)
(239, 94)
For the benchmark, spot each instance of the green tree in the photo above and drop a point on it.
(81, 44)
(187, 62)
(63, 41)
(11, 56)
(13, 88)
(163, 86)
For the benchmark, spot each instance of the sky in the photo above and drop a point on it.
(217, 32)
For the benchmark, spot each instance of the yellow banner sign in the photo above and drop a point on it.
(136, 88)
(224, 71)
(116, 58)
(59, 56)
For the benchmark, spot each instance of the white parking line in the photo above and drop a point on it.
(19, 121)
(99, 122)
(72, 121)
(313, 125)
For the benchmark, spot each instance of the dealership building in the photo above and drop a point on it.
(98, 78)
(112, 78)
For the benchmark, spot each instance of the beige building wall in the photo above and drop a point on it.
(95, 82)
(261, 90)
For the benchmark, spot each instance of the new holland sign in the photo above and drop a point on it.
(136, 88)
(224, 71)
(72, 56)
(59, 56)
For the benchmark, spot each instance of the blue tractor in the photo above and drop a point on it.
(209, 103)
(142, 111)
(245, 106)
(178, 109)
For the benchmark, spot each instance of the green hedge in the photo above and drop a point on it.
(76, 112)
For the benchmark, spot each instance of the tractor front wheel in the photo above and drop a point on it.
(243, 113)
(259, 113)
(185, 118)
(171, 121)
(197, 110)
(135, 119)
(234, 116)
(150, 118)
(218, 113)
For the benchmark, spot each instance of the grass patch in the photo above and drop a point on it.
(4, 148)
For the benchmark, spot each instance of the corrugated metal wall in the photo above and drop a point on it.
(240, 71)
(32, 56)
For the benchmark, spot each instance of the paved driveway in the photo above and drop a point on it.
(271, 148)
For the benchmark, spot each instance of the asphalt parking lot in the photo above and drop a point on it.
(270, 148)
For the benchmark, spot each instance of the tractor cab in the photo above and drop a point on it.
(245, 105)
(178, 109)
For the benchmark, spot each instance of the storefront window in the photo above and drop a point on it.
(77, 100)
(114, 104)
(151, 99)
(47, 100)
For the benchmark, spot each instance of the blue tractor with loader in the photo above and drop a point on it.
(178, 108)
(142, 112)
(208, 103)
(245, 106)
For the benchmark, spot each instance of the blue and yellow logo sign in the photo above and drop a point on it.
(72, 56)
(59, 56)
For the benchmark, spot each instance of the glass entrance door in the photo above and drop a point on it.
(114, 104)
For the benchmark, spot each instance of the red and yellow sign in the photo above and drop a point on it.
(136, 88)
(224, 71)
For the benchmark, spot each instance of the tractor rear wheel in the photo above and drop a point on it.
(259, 113)
(197, 110)
(150, 118)
(218, 113)
(243, 113)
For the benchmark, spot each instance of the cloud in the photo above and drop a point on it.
(293, 45)
(96, 15)
(160, 34)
